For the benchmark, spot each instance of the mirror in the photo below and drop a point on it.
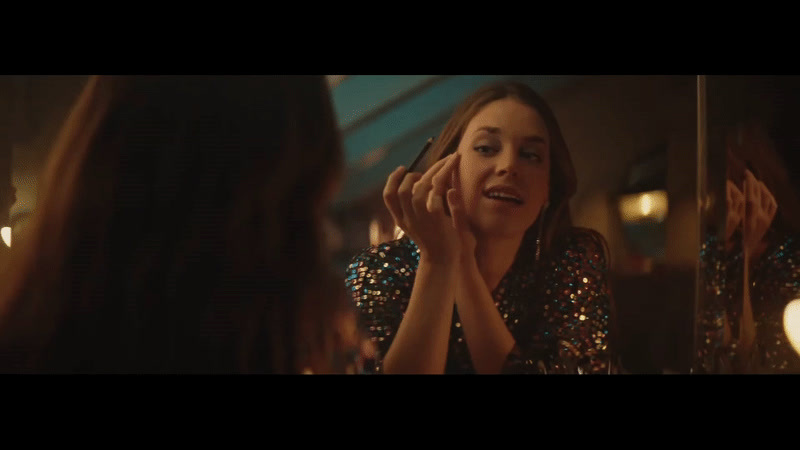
(633, 142)
(749, 259)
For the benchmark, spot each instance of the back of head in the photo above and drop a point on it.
(177, 228)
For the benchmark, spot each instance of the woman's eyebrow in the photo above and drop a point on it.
(535, 139)
(496, 130)
(493, 130)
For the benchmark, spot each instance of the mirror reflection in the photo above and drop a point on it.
(750, 257)
(546, 231)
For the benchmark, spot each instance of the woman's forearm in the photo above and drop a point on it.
(420, 346)
(747, 333)
(488, 338)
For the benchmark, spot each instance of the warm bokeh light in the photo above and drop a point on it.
(646, 204)
(644, 207)
(6, 233)
(791, 323)
(372, 158)
(374, 232)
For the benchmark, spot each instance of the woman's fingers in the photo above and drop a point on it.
(768, 202)
(412, 198)
(749, 219)
(456, 210)
(734, 196)
(739, 201)
(406, 197)
(735, 203)
(443, 177)
(728, 193)
(425, 179)
(391, 197)
(433, 184)
(752, 191)
(435, 203)
(760, 209)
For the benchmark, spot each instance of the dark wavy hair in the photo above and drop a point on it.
(178, 227)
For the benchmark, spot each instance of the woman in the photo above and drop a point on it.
(177, 230)
(753, 273)
(490, 277)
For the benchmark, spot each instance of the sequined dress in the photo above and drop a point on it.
(774, 281)
(559, 318)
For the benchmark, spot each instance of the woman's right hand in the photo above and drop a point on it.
(760, 209)
(417, 204)
(735, 209)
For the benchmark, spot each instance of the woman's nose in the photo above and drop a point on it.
(507, 163)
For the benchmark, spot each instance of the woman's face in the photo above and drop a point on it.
(505, 168)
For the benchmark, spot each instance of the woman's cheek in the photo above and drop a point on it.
(467, 186)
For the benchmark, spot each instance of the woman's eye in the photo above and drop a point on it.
(484, 149)
(533, 156)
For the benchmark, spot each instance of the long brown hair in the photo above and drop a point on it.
(563, 181)
(178, 229)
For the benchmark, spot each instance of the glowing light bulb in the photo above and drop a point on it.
(791, 323)
(374, 233)
(6, 233)
(646, 203)
(650, 206)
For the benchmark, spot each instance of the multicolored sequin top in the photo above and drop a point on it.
(560, 317)
(774, 282)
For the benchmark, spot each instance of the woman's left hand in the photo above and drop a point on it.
(455, 202)
(735, 209)
(760, 209)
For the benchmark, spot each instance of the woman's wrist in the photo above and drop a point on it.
(466, 260)
(436, 263)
